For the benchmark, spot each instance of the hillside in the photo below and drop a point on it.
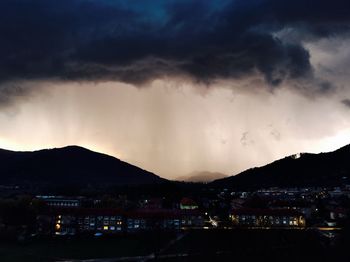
(305, 169)
(201, 177)
(70, 165)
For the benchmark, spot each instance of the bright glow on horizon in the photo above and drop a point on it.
(173, 128)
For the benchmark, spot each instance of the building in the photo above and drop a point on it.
(153, 203)
(65, 224)
(108, 221)
(59, 201)
(338, 213)
(187, 203)
(301, 206)
(163, 219)
(261, 218)
(72, 221)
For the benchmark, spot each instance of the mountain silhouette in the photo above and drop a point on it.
(303, 169)
(71, 165)
(201, 176)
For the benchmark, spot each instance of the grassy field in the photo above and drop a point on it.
(262, 245)
(53, 250)
(196, 245)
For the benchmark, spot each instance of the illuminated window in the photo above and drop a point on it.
(105, 228)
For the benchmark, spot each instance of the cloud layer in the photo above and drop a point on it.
(136, 42)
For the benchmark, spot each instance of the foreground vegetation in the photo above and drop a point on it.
(42, 250)
(196, 245)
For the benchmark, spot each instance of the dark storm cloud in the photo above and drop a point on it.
(346, 102)
(138, 41)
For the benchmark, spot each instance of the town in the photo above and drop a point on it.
(318, 208)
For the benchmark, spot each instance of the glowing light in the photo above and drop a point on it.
(342, 138)
(296, 156)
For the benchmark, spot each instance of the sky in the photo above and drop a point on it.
(179, 86)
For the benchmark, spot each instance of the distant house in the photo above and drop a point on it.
(336, 192)
(59, 201)
(153, 203)
(187, 203)
(237, 203)
(267, 218)
(338, 213)
(301, 206)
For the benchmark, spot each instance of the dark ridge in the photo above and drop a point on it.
(71, 165)
(331, 168)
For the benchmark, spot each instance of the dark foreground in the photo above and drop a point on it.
(197, 245)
